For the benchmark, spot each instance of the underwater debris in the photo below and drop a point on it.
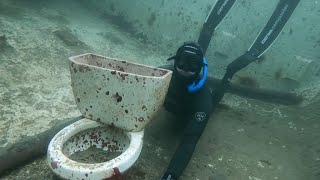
(68, 38)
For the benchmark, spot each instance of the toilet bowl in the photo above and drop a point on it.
(84, 134)
(117, 100)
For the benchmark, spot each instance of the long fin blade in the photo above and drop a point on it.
(217, 13)
(273, 28)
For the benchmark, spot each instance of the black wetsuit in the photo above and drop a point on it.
(194, 109)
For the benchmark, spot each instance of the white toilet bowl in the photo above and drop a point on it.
(84, 134)
(118, 99)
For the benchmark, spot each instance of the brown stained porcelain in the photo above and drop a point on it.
(119, 93)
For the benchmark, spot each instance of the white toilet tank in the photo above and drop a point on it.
(118, 93)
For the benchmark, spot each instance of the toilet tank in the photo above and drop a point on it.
(116, 92)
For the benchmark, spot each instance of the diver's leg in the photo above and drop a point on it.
(196, 124)
(186, 148)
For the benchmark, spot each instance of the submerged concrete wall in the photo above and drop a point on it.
(291, 64)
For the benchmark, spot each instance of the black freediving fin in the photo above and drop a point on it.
(264, 40)
(266, 37)
(215, 16)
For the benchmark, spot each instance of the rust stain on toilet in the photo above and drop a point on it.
(54, 164)
(140, 119)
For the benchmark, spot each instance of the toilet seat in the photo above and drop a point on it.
(69, 169)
